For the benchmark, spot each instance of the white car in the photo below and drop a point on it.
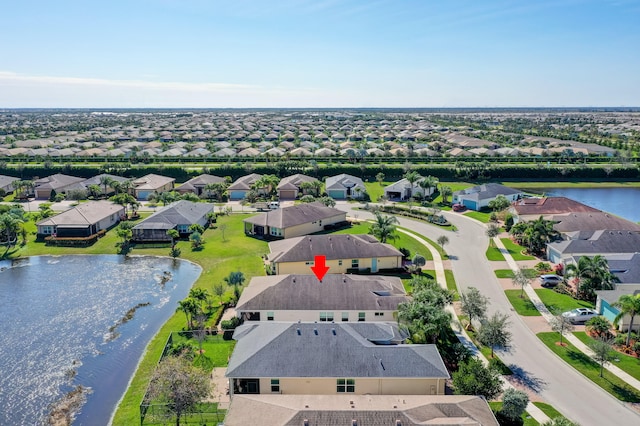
(580, 315)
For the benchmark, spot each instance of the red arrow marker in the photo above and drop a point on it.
(320, 268)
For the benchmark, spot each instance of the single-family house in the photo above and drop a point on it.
(332, 358)
(291, 186)
(343, 252)
(239, 188)
(83, 220)
(531, 208)
(54, 184)
(338, 297)
(479, 197)
(179, 216)
(97, 180)
(149, 184)
(603, 242)
(197, 184)
(582, 225)
(294, 221)
(354, 410)
(345, 186)
(403, 190)
(604, 305)
(7, 183)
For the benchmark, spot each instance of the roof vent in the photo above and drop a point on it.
(315, 331)
(354, 422)
(294, 279)
(333, 330)
(298, 331)
(305, 422)
(398, 422)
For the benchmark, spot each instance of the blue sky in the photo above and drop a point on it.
(320, 53)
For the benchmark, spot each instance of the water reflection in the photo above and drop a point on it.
(58, 315)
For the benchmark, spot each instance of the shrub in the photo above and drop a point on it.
(230, 324)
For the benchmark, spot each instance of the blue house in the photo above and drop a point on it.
(479, 197)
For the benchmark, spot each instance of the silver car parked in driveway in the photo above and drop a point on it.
(550, 280)
(580, 315)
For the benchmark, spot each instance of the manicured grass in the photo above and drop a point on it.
(443, 254)
(486, 351)
(207, 414)
(406, 282)
(219, 257)
(527, 420)
(548, 409)
(402, 240)
(451, 284)
(558, 303)
(483, 217)
(627, 363)
(589, 368)
(522, 305)
(515, 250)
(508, 273)
(494, 254)
(217, 351)
(375, 190)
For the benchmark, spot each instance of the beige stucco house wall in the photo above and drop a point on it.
(323, 316)
(309, 228)
(372, 386)
(338, 266)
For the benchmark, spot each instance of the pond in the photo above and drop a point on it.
(64, 326)
(623, 202)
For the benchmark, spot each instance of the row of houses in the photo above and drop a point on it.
(318, 353)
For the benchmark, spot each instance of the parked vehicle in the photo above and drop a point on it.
(274, 205)
(458, 208)
(580, 315)
(550, 280)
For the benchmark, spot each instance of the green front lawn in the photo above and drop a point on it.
(522, 305)
(515, 250)
(508, 273)
(494, 254)
(589, 368)
(627, 363)
(548, 409)
(484, 217)
(451, 284)
(375, 190)
(558, 303)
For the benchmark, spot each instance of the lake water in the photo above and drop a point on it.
(56, 315)
(623, 202)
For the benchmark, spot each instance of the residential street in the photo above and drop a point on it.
(537, 367)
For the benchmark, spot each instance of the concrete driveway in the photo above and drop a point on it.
(535, 366)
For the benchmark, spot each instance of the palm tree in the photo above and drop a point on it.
(412, 177)
(628, 305)
(426, 184)
(384, 227)
(9, 229)
(199, 294)
(445, 191)
(591, 273)
(190, 307)
(173, 234)
(234, 278)
(105, 181)
(266, 185)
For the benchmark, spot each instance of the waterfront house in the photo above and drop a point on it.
(479, 197)
(332, 358)
(294, 221)
(179, 216)
(83, 220)
(354, 410)
(526, 209)
(344, 253)
(603, 242)
(338, 297)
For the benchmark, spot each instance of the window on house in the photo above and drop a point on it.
(345, 316)
(326, 316)
(355, 263)
(275, 385)
(340, 262)
(183, 229)
(361, 316)
(346, 385)
(379, 314)
(309, 263)
(269, 316)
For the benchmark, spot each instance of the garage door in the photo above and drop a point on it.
(337, 194)
(288, 194)
(470, 204)
(236, 195)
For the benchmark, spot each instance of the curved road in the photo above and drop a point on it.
(541, 370)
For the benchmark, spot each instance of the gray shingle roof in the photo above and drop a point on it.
(601, 242)
(181, 212)
(486, 191)
(201, 180)
(273, 349)
(369, 410)
(244, 182)
(335, 292)
(332, 246)
(286, 217)
(343, 181)
(587, 222)
(84, 214)
(6, 181)
(296, 180)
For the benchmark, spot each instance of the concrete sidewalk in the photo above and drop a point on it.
(548, 316)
